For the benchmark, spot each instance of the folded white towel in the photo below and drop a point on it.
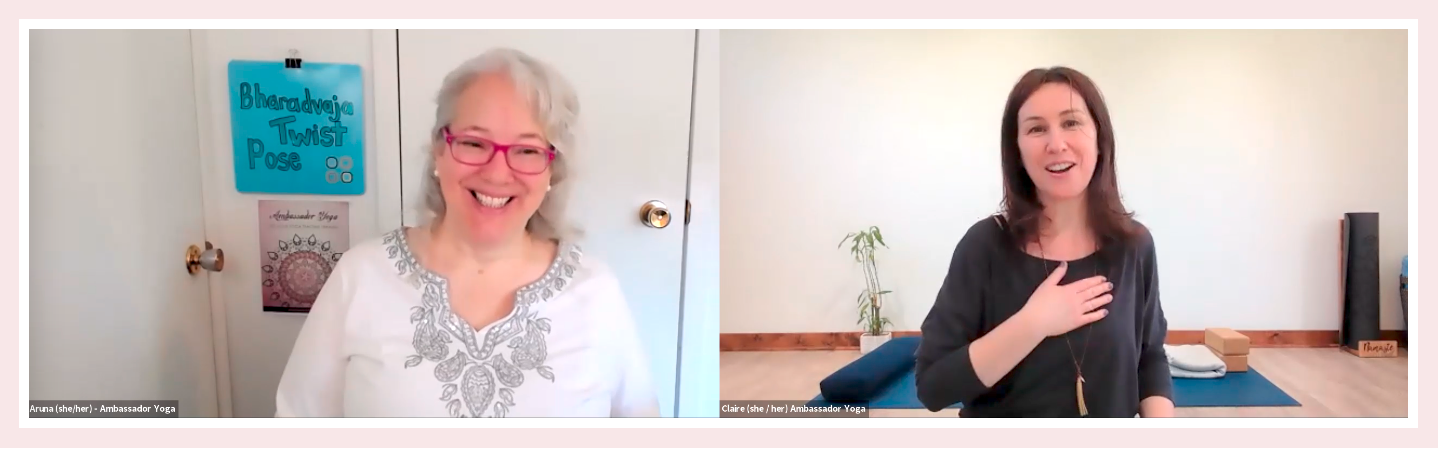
(1193, 361)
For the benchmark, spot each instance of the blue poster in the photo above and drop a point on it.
(298, 131)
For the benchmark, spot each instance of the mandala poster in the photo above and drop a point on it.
(300, 243)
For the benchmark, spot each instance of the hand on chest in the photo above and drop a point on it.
(1011, 293)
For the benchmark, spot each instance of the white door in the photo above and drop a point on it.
(115, 200)
(635, 90)
(259, 342)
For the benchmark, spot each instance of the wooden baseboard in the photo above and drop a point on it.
(803, 341)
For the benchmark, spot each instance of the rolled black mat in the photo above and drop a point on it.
(1360, 320)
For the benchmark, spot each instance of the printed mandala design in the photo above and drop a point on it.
(294, 275)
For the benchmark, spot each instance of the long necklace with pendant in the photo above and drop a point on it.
(1078, 363)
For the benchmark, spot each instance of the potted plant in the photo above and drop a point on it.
(871, 299)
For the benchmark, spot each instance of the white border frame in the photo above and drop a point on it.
(1416, 262)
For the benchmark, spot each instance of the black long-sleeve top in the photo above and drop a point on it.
(990, 279)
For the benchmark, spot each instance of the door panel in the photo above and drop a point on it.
(115, 200)
(635, 90)
(260, 342)
(699, 353)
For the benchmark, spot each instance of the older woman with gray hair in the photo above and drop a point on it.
(489, 309)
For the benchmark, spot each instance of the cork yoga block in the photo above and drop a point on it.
(1225, 341)
(1233, 363)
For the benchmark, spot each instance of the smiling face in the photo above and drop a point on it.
(1057, 142)
(492, 201)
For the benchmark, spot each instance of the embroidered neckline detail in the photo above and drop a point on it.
(478, 379)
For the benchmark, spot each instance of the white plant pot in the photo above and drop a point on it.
(869, 342)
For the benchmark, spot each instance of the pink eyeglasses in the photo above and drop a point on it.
(522, 158)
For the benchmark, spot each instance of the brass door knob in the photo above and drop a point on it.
(655, 215)
(211, 258)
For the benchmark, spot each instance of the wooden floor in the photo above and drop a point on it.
(1328, 382)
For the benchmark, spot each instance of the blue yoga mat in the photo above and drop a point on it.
(1241, 389)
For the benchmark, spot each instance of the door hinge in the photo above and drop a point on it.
(687, 212)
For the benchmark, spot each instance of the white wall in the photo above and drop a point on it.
(1240, 150)
(260, 342)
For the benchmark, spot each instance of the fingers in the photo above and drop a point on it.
(1057, 274)
(1087, 283)
(1091, 292)
(1096, 303)
(1093, 316)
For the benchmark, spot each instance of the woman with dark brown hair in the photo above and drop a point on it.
(1051, 308)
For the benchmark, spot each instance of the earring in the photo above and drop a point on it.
(437, 173)
(549, 188)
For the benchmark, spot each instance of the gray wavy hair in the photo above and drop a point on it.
(553, 102)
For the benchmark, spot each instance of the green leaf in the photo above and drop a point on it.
(846, 239)
(862, 248)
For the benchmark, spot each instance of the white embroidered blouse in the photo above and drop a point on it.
(381, 341)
